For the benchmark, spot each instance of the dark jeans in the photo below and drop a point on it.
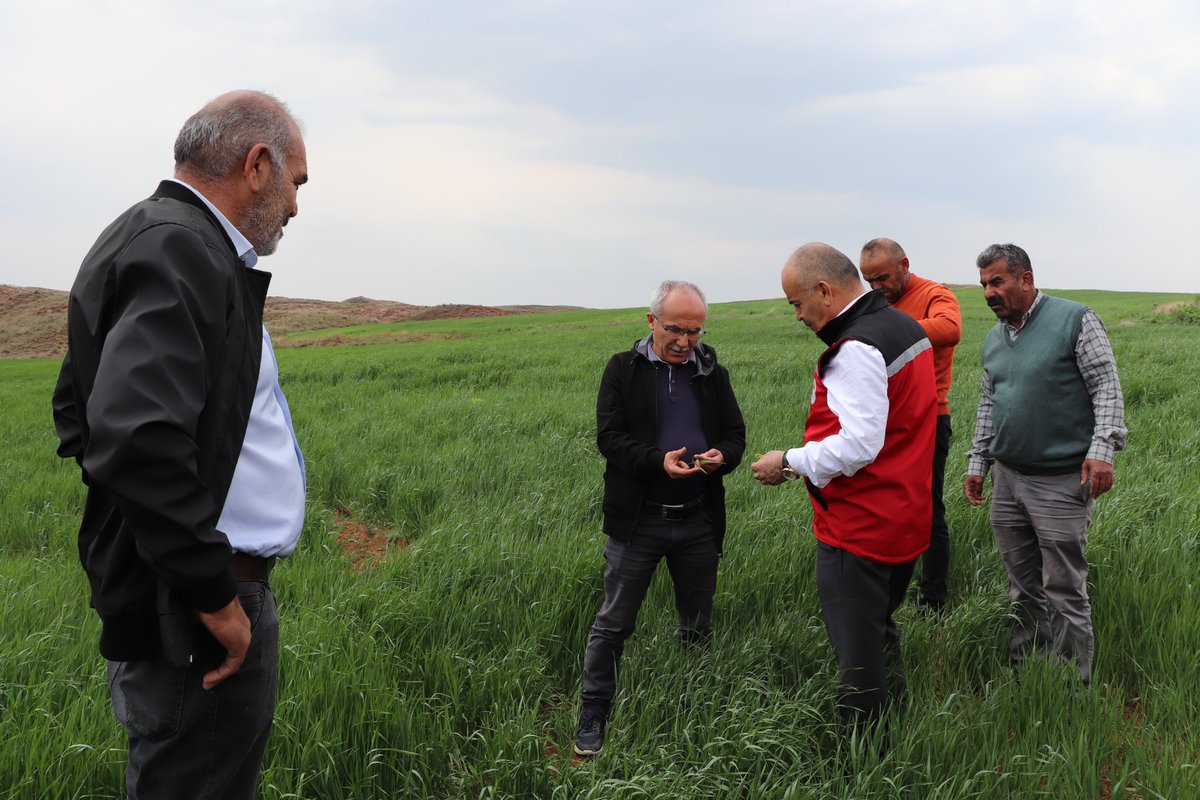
(935, 563)
(690, 548)
(185, 742)
(858, 598)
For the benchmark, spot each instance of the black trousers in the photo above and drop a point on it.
(690, 549)
(935, 564)
(858, 598)
(186, 743)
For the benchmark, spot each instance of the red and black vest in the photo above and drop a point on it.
(883, 511)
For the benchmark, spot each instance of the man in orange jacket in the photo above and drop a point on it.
(884, 266)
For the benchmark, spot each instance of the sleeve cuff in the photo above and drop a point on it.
(214, 595)
(977, 467)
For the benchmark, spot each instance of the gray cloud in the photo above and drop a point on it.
(567, 153)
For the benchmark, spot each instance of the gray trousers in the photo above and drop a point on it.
(1041, 523)
(186, 743)
(690, 550)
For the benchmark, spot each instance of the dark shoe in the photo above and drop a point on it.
(590, 740)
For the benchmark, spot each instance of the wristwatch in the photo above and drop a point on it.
(787, 470)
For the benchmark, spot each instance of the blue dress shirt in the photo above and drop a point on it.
(264, 511)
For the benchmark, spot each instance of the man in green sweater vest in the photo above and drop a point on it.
(1051, 417)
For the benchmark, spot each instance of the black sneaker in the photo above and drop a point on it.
(590, 740)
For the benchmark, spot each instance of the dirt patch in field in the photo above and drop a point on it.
(364, 545)
(1185, 312)
(33, 322)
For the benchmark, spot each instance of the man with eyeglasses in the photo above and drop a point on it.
(669, 427)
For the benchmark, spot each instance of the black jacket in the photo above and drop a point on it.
(627, 432)
(165, 342)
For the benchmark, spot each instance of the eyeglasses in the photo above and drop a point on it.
(676, 331)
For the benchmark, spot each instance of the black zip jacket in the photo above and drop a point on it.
(627, 433)
(165, 342)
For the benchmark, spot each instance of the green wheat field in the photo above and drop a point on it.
(450, 668)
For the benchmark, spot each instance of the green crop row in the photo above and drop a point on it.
(449, 666)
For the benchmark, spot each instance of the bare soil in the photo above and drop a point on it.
(33, 322)
(364, 545)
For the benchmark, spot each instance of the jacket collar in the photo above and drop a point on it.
(869, 303)
(170, 190)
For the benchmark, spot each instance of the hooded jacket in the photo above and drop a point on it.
(627, 428)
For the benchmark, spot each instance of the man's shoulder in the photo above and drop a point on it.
(622, 360)
(158, 217)
(928, 288)
(995, 335)
(158, 231)
(897, 320)
(1072, 306)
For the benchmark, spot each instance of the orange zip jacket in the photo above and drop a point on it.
(936, 308)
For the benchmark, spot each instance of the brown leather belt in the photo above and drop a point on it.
(251, 568)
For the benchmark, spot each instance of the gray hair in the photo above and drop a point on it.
(666, 287)
(214, 140)
(1015, 259)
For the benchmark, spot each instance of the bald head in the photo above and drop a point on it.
(884, 245)
(819, 281)
(244, 152)
(885, 267)
(214, 142)
(815, 262)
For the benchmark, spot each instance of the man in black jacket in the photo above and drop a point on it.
(668, 426)
(169, 401)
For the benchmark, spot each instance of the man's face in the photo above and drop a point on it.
(1008, 296)
(682, 311)
(882, 271)
(811, 303)
(276, 204)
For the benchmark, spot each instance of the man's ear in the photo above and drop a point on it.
(825, 291)
(256, 169)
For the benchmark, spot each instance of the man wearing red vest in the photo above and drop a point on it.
(868, 445)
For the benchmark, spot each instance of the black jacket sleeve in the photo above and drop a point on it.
(732, 441)
(67, 422)
(162, 348)
(614, 421)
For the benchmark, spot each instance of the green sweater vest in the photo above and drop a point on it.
(1043, 413)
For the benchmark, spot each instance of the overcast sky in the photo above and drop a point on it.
(579, 152)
